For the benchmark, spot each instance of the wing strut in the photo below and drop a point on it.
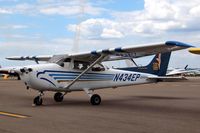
(85, 71)
(134, 62)
(36, 60)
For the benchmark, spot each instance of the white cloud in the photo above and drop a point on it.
(8, 0)
(157, 9)
(16, 36)
(19, 26)
(14, 26)
(54, 7)
(111, 33)
(195, 11)
(5, 11)
(45, 1)
(61, 10)
(66, 41)
(98, 29)
(69, 10)
(157, 18)
(23, 7)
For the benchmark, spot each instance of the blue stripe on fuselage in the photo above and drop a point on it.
(70, 72)
(69, 75)
(88, 75)
(71, 78)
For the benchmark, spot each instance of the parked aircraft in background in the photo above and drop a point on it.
(181, 71)
(4, 76)
(194, 50)
(85, 71)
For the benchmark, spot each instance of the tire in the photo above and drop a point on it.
(95, 99)
(38, 101)
(58, 97)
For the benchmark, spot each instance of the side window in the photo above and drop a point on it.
(80, 65)
(67, 60)
(98, 67)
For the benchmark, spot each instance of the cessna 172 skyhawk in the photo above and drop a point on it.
(85, 72)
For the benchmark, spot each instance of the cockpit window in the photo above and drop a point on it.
(62, 62)
(79, 65)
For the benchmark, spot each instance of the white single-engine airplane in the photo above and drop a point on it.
(85, 72)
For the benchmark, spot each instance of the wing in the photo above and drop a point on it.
(118, 53)
(34, 58)
(130, 51)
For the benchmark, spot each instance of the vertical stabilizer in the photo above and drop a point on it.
(158, 65)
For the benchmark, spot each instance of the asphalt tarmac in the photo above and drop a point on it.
(168, 107)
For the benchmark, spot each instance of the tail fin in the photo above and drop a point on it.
(186, 67)
(158, 66)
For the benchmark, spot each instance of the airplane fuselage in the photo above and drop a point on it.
(52, 77)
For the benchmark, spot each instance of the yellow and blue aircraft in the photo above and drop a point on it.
(194, 50)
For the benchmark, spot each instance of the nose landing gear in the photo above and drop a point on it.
(38, 100)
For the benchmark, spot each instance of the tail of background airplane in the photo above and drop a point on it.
(158, 66)
(186, 67)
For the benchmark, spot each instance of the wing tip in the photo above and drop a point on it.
(94, 52)
(176, 43)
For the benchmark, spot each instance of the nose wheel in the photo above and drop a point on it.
(38, 100)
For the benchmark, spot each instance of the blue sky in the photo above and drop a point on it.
(39, 27)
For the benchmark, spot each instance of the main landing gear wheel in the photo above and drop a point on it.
(37, 101)
(95, 99)
(58, 97)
